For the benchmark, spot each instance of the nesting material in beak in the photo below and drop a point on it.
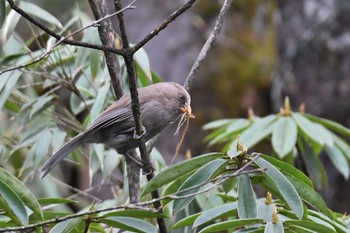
(185, 117)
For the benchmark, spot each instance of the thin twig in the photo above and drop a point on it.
(208, 44)
(64, 39)
(139, 205)
(163, 25)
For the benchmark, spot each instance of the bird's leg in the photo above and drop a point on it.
(136, 136)
(134, 160)
(139, 164)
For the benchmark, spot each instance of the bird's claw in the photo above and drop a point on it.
(136, 136)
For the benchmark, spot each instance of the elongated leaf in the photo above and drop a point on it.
(39, 12)
(309, 195)
(265, 212)
(2, 12)
(259, 130)
(343, 146)
(14, 202)
(313, 164)
(174, 186)
(55, 200)
(218, 124)
(9, 26)
(339, 227)
(319, 228)
(142, 60)
(232, 129)
(9, 83)
(289, 169)
(22, 191)
(284, 136)
(101, 99)
(135, 214)
(130, 224)
(313, 130)
(334, 126)
(338, 159)
(229, 224)
(287, 190)
(66, 226)
(201, 175)
(188, 221)
(94, 62)
(274, 227)
(246, 204)
(215, 213)
(172, 173)
(40, 104)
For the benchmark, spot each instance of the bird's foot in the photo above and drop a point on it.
(136, 136)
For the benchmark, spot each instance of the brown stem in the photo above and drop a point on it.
(108, 36)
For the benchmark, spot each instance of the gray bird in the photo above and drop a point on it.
(160, 105)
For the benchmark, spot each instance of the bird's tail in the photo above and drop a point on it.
(62, 153)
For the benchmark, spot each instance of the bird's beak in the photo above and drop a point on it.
(187, 110)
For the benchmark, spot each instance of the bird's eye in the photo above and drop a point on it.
(182, 98)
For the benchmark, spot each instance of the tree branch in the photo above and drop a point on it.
(208, 44)
(140, 205)
(162, 26)
(59, 37)
(108, 37)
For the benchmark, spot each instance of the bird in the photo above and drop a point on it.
(160, 104)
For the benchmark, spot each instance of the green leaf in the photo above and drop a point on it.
(174, 186)
(342, 145)
(9, 26)
(130, 224)
(265, 212)
(334, 126)
(218, 124)
(94, 56)
(141, 58)
(7, 84)
(201, 175)
(182, 168)
(286, 168)
(309, 195)
(186, 221)
(22, 191)
(230, 224)
(66, 226)
(284, 136)
(287, 190)
(40, 103)
(274, 227)
(246, 198)
(215, 213)
(313, 130)
(100, 101)
(2, 12)
(232, 129)
(319, 228)
(313, 164)
(338, 159)
(14, 202)
(55, 200)
(135, 214)
(259, 130)
(339, 227)
(36, 11)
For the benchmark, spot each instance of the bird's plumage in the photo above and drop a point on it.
(160, 104)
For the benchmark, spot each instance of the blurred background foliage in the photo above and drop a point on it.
(268, 49)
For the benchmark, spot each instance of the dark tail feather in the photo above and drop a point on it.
(61, 154)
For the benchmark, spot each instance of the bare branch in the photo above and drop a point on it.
(208, 44)
(163, 25)
(65, 40)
